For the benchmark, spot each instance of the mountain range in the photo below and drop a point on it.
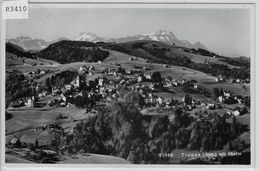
(27, 43)
(168, 37)
(160, 36)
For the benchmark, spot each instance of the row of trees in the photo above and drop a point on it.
(204, 52)
(242, 62)
(224, 70)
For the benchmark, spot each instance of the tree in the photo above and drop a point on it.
(221, 92)
(48, 84)
(134, 98)
(216, 92)
(205, 143)
(40, 155)
(247, 101)
(243, 111)
(233, 127)
(158, 126)
(181, 138)
(156, 77)
(121, 70)
(131, 157)
(195, 137)
(36, 144)
(38, 71)
(187, 99)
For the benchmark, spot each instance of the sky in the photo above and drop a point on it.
(224, 31)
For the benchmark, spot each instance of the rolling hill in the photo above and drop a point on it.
(201, 60)
(66, 51)
(16, 50)
(18, 58)
(163, 52)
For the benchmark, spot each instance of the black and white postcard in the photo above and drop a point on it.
(163, 84)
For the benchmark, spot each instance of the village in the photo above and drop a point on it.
(104, 85)
(92, 89)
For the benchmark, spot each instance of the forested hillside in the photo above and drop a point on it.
(73, 51)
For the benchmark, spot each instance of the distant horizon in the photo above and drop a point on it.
(98, 35)
(223, 31)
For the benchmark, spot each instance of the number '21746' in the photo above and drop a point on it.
(15, 8)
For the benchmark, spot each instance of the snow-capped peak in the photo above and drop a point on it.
(162, 36)
(164, 32)
(165, 36)
(91, 37)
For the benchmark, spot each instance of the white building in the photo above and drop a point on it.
(236, 113)
(151, 87)
(238, 80)
(148, 77)
(168, 84)
(220, 99)
(42, 72)
(68, 86)
(159, 100)
(174, 83)
(100, 81)
(139, 78)
(226, 94)
(63, 97)
(91, 67)
(29, 103)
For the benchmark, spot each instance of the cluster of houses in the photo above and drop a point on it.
(47, 126)
(60, 101)
(241, 81)
(221, 79)
(35, 74)
(107, 88)
(28, 102)
(174, 83)
(228, 98)
(32, 151)
(84, 68)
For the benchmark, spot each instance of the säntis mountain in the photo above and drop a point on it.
(161, 36)
(90, 37)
